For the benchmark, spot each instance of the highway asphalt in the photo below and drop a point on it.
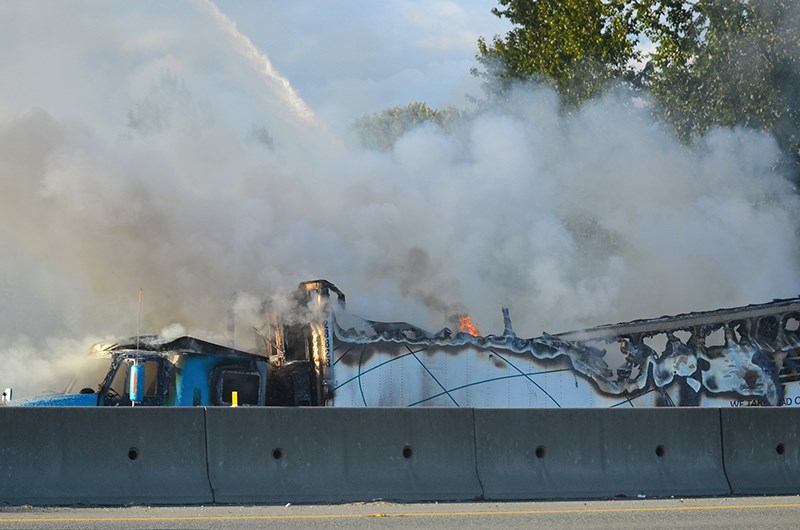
(696, 513)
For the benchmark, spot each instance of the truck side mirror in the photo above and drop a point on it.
(6, 397)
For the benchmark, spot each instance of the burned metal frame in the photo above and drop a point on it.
(759, 354)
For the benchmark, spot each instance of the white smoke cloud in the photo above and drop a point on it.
(132, 163)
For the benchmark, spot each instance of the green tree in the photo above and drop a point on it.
(715, 62)
(577, 46)
(726, 63)
(380, 131)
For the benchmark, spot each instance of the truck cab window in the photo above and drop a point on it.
(246, 384)
(118, 391)
(151, 379)
(119, 384)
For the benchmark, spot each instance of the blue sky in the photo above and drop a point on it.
(344, 58)
(371, 54)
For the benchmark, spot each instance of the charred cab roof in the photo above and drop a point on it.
(155, 344)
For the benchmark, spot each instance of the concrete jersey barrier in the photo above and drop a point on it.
(77, 455)
(116, 456)
(589, 453)
(278, 455)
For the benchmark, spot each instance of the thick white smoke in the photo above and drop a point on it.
(143, 150)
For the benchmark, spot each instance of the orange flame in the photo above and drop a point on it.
(465, 325)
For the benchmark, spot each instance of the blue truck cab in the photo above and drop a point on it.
(185, 371)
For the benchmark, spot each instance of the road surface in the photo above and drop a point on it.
(727, 513)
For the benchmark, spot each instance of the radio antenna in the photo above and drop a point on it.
(137, 373)
(139, 324)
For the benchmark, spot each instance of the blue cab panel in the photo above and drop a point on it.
(60, 400)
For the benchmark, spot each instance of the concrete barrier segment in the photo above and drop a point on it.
(598, 453)
(278, 455)
(761, 448)
(102, 456)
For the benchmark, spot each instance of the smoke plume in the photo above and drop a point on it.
(156, 153)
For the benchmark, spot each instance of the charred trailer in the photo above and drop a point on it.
(741, 356)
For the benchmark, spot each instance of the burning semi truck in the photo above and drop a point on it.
(743, 356)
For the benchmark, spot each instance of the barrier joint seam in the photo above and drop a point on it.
(475, 452)
(722, 452)
(208, 460)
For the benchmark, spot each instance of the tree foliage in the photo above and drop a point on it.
(709, 62)
(578, 46)
(714, 62)
(380, 131)
(727, 63)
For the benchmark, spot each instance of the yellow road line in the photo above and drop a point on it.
(389, 514)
